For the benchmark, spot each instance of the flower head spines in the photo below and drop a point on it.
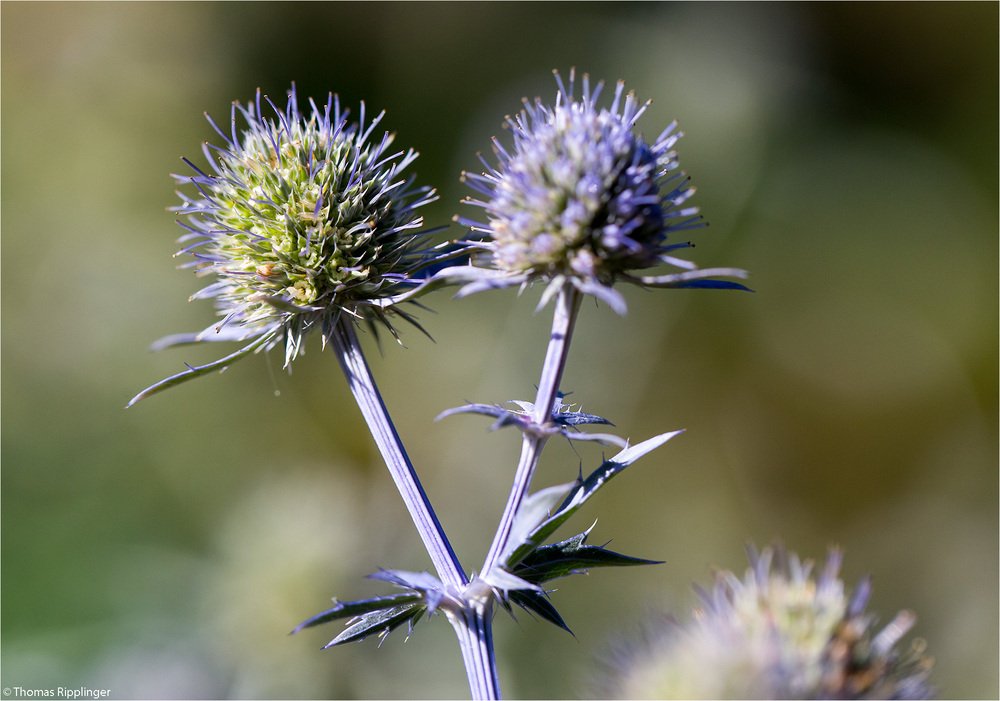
(305, 210)
(302, 217)
(579, 197)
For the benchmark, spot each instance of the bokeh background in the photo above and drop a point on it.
(846, 154)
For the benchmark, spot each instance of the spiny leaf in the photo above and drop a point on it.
(711, 285)
(561, 421)
(501, 579)
(535, 510)
(445, 277)
(418, 581)
(580, 493)
(349, 609)
(538, 603)
(380, 622)
(698, 278)
(424, 583)
(570, 556)
(193, 372)
(574, 418)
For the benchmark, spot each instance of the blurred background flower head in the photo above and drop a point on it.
(846, 154)
(780, 632)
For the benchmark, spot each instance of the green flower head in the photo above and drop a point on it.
(301, 219)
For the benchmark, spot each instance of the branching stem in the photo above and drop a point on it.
(563, 322)
(359, 377)
(473, 625)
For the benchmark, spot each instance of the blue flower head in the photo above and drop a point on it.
(581, 198)
(301, 219)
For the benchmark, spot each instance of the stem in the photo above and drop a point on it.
(531, 449)
(563, 321)
(474, 626)
(359, 377)
(473, 623)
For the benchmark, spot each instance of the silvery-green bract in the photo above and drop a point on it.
(301, 219)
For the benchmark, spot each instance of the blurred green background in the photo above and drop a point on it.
(846, 154)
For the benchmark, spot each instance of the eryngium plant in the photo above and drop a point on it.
(778, 633)
(580, 202)
(302, 219)
(305, 223)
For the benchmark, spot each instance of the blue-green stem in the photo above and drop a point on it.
(359, 377)
(474, 629)
(480, 616)
(564, 319)
(474, 626)
(563, 322)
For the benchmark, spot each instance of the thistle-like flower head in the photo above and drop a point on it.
(582, 198)
(302, 218)
(777, 633)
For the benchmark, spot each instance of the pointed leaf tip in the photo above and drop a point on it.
(537, 603)
(193, 372)
(571, 556)
(579, 494)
